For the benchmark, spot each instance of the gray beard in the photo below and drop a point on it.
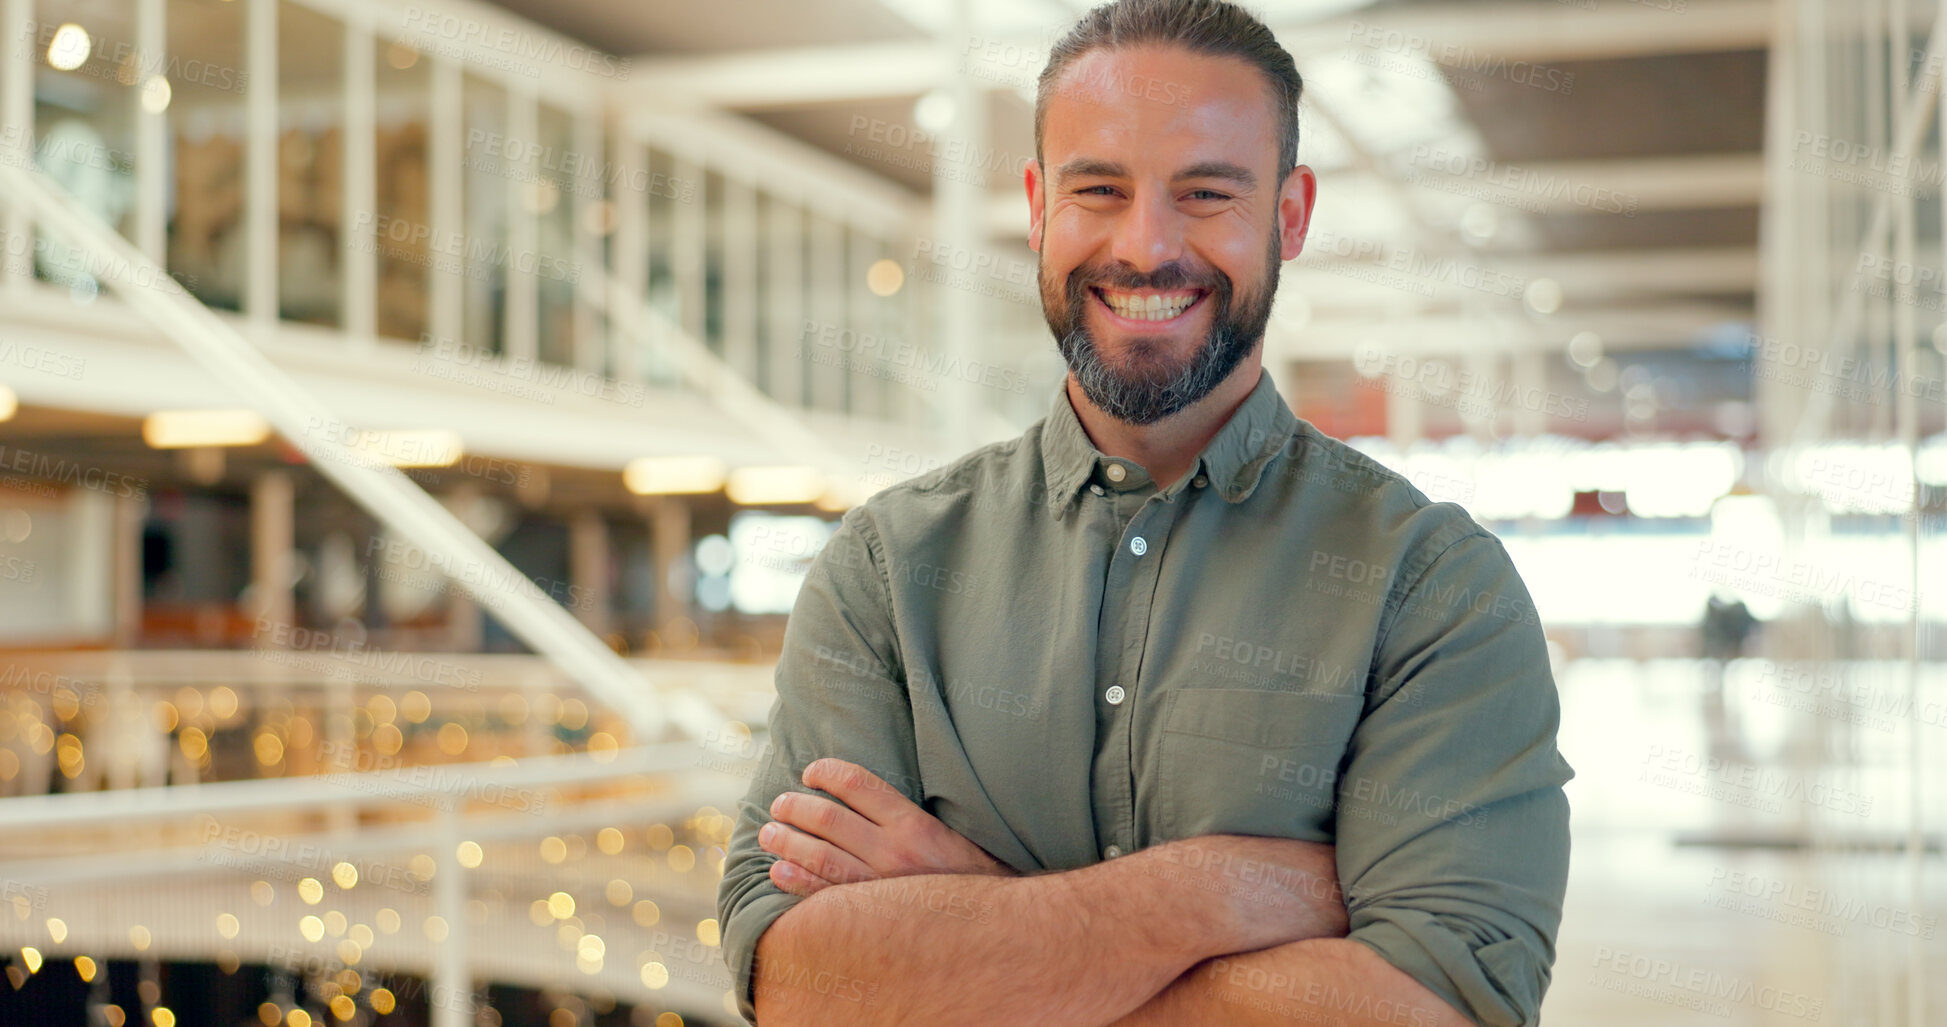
(1148, 394)
(1151, 387)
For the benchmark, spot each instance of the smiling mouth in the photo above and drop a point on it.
(1153, 307)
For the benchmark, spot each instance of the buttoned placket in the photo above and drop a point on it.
(1129, 592)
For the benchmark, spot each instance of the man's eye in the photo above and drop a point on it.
(1208, 194)
(1103, 190)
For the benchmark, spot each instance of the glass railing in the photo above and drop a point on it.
(414, 178)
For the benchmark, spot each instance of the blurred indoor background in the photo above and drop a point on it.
(418, 418)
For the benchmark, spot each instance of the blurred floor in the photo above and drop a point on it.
(1695, 896)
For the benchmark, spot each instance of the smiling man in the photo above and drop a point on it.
(1172, 710)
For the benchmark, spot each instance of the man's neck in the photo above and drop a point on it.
(1168, 448)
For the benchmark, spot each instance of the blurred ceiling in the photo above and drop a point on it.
(1614, 149)
(1611, 148)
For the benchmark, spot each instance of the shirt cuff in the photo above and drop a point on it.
(740, 934)
(1495, 985)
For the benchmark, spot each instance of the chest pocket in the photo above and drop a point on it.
(1249, 761)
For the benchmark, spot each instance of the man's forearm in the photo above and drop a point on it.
(1081, 946)
(1332, 982)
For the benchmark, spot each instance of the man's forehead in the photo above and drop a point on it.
(1135, 105)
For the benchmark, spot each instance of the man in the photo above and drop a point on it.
(1092, 726)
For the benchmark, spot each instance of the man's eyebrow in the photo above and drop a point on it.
(1219, 169)
(1090, 167)
(1095, 167)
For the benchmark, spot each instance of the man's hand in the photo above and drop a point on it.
(876, 832)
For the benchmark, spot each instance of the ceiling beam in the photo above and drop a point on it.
(1631, 327)
(1402, 281)
(1545, 30)
(1508, 30)
(1624, 186)
(1698, 271)
(762, 79)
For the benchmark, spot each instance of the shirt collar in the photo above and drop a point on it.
(1233, 461)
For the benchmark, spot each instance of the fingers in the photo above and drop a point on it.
(823, 818)
(815, 856)
(860, 789)
(796, 880)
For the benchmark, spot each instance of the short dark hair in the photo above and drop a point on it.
(1211, 27)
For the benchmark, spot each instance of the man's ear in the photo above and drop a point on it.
(1032, 179)
(1295, 201)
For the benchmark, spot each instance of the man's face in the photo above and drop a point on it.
(1161, 223)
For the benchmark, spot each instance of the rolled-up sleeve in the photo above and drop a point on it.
(839, 693)
(1453, 827)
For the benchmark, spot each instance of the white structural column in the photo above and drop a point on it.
(958, 223)
(787, 302)
(260, 163)
(273, 519)
(740, 276)
(130, 513)
(588, 592)
(359, 205)
(151, 132)
(866, 313)
(522, 270)
(1779, 295)
(586, 195)
(669, 541)
(687, 240)
(629, 257)
(341, 745)
(826, 314)
(17, 132)
(1879, 312)
(1907, 420)
(452, 985)
(463, 626)
(445, 189)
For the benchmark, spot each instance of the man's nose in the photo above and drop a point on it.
(1149, 234)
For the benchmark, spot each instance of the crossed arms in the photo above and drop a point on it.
(870, 911)
(906, 921)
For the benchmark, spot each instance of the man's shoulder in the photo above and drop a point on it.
(1365, 496)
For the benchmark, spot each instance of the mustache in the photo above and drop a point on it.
(1169, 277)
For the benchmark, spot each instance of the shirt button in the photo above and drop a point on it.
(1097, 489)
(1115, 472)
(1199, 481)
(1114, 695)
(1112, 852)
(1139, 545)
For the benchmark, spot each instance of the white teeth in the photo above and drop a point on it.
(1148, 308)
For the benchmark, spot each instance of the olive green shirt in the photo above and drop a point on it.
(1063, 663)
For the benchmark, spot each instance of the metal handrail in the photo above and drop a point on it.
(451, 783)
